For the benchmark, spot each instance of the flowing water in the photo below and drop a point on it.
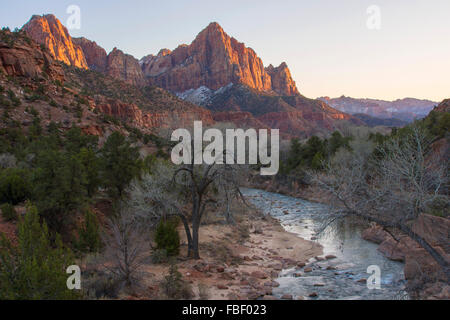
(338, 278)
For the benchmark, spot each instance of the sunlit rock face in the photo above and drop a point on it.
(282, 81)
(82, 53)
(49, 31)
(214, 60)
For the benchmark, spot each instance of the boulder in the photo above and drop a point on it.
(259, 275)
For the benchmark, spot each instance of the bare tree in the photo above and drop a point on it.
(125, 246)
(154, 196)
(166, 191)
(203, 183)
(393, 188)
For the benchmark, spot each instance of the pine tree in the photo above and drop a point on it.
(91, 168)
(167, 237)
(120, 164)
(89, 235)
(59, 187)
(34, 269)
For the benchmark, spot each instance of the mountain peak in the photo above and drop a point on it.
(214, 26)
(214, 59)
(49, 31)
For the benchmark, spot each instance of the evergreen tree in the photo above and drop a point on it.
(89, 235)
(120, 164)
(91, 168)
(34, 269)
(167, 237)
(59, 190)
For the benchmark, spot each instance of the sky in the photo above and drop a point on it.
(384, 49)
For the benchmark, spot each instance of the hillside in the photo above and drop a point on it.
(374, 121)
(32, 78)
(227, 73)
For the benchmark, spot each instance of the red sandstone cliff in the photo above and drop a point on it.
(28, 65)
(94, 54)
(124, 67)
(49, 31)
(154, 119)
(282, 81)
(115, 64)
(214, 60)
(25, 59)
(81, 52)
(259, 97)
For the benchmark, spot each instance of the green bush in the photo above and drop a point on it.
(167, 238)
(14, 186)
(8, 212)
(35, 269)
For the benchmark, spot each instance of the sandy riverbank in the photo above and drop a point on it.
(233, 267)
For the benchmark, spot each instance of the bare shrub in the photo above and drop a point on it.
(125, 247)
(173, 285)
(392, 188)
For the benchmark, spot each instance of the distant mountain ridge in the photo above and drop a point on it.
(406, 109)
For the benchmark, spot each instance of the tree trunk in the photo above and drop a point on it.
(188, 233)
(195, 250)
(195, 227)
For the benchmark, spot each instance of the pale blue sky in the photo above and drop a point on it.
(326, 43)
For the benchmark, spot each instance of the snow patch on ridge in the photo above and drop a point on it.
(202, 95)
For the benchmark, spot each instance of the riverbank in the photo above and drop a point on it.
(425, 278)
(238, 261)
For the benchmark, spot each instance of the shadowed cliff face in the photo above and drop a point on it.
(125, 67)
(116, 64)
(95, 55)
(214, 60)
(444, 106)
(26, 59)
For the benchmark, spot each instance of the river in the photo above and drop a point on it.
(338, 278)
